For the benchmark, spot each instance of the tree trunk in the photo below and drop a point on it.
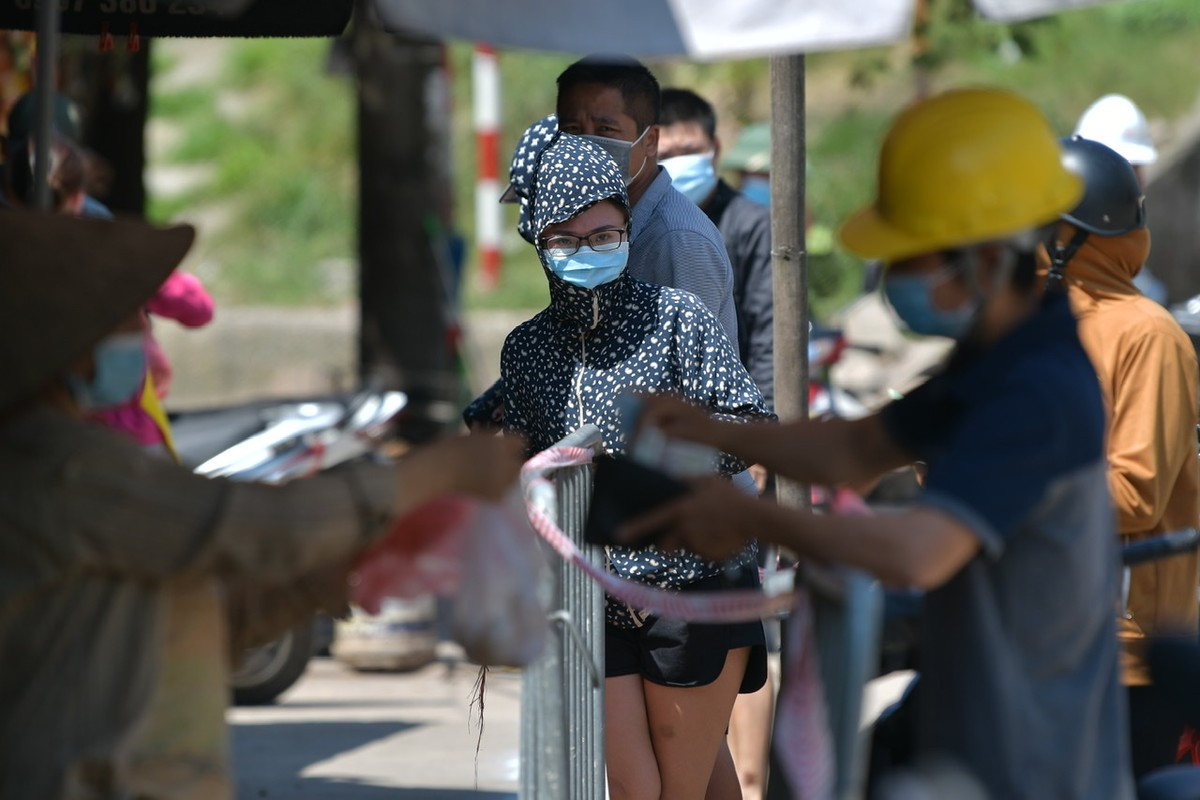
(403, 340)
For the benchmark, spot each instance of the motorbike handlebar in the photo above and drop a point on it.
(1164, 546)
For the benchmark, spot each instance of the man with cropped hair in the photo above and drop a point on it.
(689, 149)
(615, 102)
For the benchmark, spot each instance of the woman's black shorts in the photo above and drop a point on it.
(674, 653)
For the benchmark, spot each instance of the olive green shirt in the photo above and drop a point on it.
(92, 532)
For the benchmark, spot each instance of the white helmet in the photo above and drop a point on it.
(1115, 120)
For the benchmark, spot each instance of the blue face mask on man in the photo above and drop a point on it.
(757, 188)
(588, 268)
(120, 364)
(911, 296)
(694, 175)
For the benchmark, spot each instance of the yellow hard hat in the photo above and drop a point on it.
(962, 167)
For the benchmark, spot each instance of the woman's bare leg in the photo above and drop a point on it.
(629, 753)
(750, 738)
(687, 727)
(723, 784)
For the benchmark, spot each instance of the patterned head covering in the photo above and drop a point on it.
(557, 175)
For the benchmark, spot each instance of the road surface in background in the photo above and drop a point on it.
(345, 735)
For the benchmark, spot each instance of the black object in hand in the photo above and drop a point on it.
(622, 490)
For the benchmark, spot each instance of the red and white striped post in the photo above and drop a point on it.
(485, 78)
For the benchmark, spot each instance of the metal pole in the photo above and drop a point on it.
(47, 61)
(790, 284)
(788, 253)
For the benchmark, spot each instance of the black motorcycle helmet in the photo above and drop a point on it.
(1113, 203)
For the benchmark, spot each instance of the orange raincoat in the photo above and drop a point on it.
(1148, 374)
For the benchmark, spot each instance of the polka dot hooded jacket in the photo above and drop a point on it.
(567, 366)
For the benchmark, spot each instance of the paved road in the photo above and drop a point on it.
(289, 352)
(342, 735)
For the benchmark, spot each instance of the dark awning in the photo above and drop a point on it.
(224, 18)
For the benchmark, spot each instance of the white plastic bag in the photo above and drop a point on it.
(484, 555)
(421, 555)
(498, 617)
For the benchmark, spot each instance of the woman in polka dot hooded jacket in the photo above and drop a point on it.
(604, 333)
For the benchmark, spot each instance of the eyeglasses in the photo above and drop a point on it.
(601, 241)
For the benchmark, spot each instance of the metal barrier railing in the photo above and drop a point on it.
(562, 698)
(562, 695)
(847, 614)
(847, 617)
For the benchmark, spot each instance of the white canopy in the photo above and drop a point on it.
(698, 29)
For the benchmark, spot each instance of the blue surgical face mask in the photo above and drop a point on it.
(757, 188)
(620, 151)
(588, 268)
(693, 175)
(120, 363)
(911, 296)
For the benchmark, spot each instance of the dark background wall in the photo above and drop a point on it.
(1173, 209)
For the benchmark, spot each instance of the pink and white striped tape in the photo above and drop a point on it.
(802, 734)
(735, 605)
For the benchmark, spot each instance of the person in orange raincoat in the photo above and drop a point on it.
(1148, 375)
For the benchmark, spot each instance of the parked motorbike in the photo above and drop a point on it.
(825, 349)
(275, 442)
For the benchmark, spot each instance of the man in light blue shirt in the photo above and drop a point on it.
(615, 103)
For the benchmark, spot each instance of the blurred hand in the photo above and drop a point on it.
(678, 419)
(760, 474)
(484, 465)
(709, 521)
(258, 614)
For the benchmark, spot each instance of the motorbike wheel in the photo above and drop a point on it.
(268, 671)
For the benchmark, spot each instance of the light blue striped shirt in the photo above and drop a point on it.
(675, 244)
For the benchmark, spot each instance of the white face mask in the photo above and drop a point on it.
(620, 151)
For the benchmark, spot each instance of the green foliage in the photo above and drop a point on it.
(738, 89)
(839, 182)
(1162, 16)
(527, 94)
(1143, 49)
(278, 134)
(951, 30)
(161, 61)
(181, 103)
(522, 283)
(278, 137)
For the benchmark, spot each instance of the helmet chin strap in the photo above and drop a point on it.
(1060, 256)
